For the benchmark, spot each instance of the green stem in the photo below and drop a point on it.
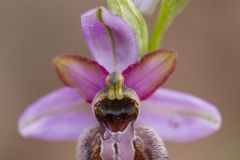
(157, 33)
(168, 11)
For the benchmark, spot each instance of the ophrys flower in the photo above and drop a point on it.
(116, 95)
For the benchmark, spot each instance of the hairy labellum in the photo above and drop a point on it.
(116, 138)
(145, 145)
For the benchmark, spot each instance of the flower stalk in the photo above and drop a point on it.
(168, 11)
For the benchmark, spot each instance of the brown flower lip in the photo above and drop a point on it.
(116, 114)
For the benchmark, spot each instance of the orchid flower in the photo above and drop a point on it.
(113, 102)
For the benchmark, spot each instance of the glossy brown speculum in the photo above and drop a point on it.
(116, 114)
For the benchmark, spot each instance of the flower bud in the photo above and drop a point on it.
(146, 6)
(129, 12)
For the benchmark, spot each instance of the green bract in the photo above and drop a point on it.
(168, 11)
(131, 14)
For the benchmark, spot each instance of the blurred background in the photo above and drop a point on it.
(206, 36)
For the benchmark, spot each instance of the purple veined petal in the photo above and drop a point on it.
(179, 117)
(60, 115)
(110, 39)
(151, 72)
(75, 71)
(146, 6)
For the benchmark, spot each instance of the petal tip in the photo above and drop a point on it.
(217, 119)
(61, 60)
(182, 117)
(78, 72)
(64, 58)
(23, 126)
(59, 116)
(59, 63)
(109, 38)
(150, 72)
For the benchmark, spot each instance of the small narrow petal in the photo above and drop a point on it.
(150, 73)
(60, 115)
(146, 6)
(75, 71)
(179, 117)
(111, 40)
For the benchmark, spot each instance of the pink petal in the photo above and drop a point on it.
(110, 39)
(60, 115)
(75, 71)
(179, 116)
(150, 73)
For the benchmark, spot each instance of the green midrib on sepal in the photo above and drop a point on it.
(127, 10)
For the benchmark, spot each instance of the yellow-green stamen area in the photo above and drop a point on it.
(115, 83)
